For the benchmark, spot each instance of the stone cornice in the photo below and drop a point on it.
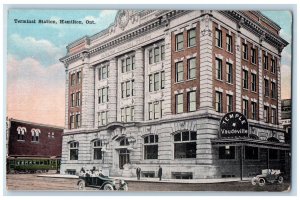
(126, 36)
(264, 34)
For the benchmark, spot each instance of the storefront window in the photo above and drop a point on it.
(251, 153)
(151, 147)
(227, 152)
(74, 150)
(185, 144)
(97, 145)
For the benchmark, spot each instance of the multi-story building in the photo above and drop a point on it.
(30, 140)
(152, 88)
(286, 118)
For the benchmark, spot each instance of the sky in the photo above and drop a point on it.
(36, 78)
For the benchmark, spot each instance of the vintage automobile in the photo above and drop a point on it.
(268, 176)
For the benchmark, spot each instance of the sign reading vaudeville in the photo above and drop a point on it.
(233, 124)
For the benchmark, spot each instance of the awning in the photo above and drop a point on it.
(250, 142)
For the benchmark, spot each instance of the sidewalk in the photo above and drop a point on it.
(156, 180)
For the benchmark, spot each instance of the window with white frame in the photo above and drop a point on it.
(72, 121)
(192, 37)
(150, 82)
(74, 150)
(97, 149)
(162, 52)
(229, 43)
(151, 147)
(103, 95)
(102, 118)
(155, 110)
(156, 54)
(273, 66)
(254, 110)
(35, 134)
(127, 88)
(162, 80)
(191, 101)
(73, 100)
(245, 51)
(192, 68)
(78, 120)
(103, 72)
(218, 38)
(185, 144)
(128, 63)
(179, 71)
(127, 114)
(78, 98)
(253, 55)
(266, 114)
(73, 79)
(266, 84)
(21, 133)
(179, 41)
(245, 108)
(179, 103)
(78, 76)
(229, 72)
(245, 79)
(253, 82)
(219, 69)
(229, 99)
(273, 90)
(273, 116)
(156, 81)
(218, 102)
(266, 62)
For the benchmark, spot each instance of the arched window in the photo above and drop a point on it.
(151, 147)
(124, 142)
(21, 133)
(74, 150)
(97, 148)
(185, 144)
(35, 133)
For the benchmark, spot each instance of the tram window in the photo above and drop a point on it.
(29, 162)
(25, 162)
(33, 162)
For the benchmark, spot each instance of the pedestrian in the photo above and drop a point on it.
(159, 172)
(138, 173)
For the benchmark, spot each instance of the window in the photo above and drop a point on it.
(78, 99)
(179, 103)
(156, 110)
(128, 64)
(102, 95)
(273, 66)
(245, 51)
(219, 69)
(229, 43)
(127, 114)
(245, 108)
(273, 154)
(132, 62)
(72, 122)
(128, 89)
(273, 116)
(123, 114)
(218, 38)
(253, 82)
(156, 54)
(73, 100)
(78, 121)
(150, 108)
(73, 79)
(251, 153)
(218, 102)
(150, 83)
(192, 68)
(124, 141)
(132, 113)
(150, 56)
(185, 144)
(97, 148)
(191, 101)
(253, 55)
(35, 135)
(102, 118)
(123, 88)
(253, 110)
(179, 41)
(192, 37)
(266, 63)
(162, 80)
(266, 114)
(123, 66)
(245, 79)
(79, 77)
(103, 72)
(227, 152)
(266, 87)
(229, 73)
(21, 133)
(162, 52)
(151, 147)
(179, 71)
(273, 91)
(132, 88)
(156, 81)
(74, 150)
(229, 103)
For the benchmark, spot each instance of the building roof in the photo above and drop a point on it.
(35, 123)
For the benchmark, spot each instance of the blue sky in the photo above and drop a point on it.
(34, 50)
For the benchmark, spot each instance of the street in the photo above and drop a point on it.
(31, 182)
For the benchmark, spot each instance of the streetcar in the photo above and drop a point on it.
(16, 165)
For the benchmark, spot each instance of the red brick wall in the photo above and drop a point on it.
(44, 147)
(186, 83)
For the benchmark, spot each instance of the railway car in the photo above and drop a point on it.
(32, 165)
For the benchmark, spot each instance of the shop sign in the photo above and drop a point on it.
(234, 125)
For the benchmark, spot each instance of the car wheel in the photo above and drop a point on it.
(261, 182)
(280, 179)
(108, 187)
(81, 185)
(253, 181)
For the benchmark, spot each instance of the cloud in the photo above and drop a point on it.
(35, 92)
(42, 50)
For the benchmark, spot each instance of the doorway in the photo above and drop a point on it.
(124, 158)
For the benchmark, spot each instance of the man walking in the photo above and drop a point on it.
(138, 173)
(159, 172)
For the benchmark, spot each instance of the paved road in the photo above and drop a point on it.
(25, 182)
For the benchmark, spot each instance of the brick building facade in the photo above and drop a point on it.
(155, 84)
